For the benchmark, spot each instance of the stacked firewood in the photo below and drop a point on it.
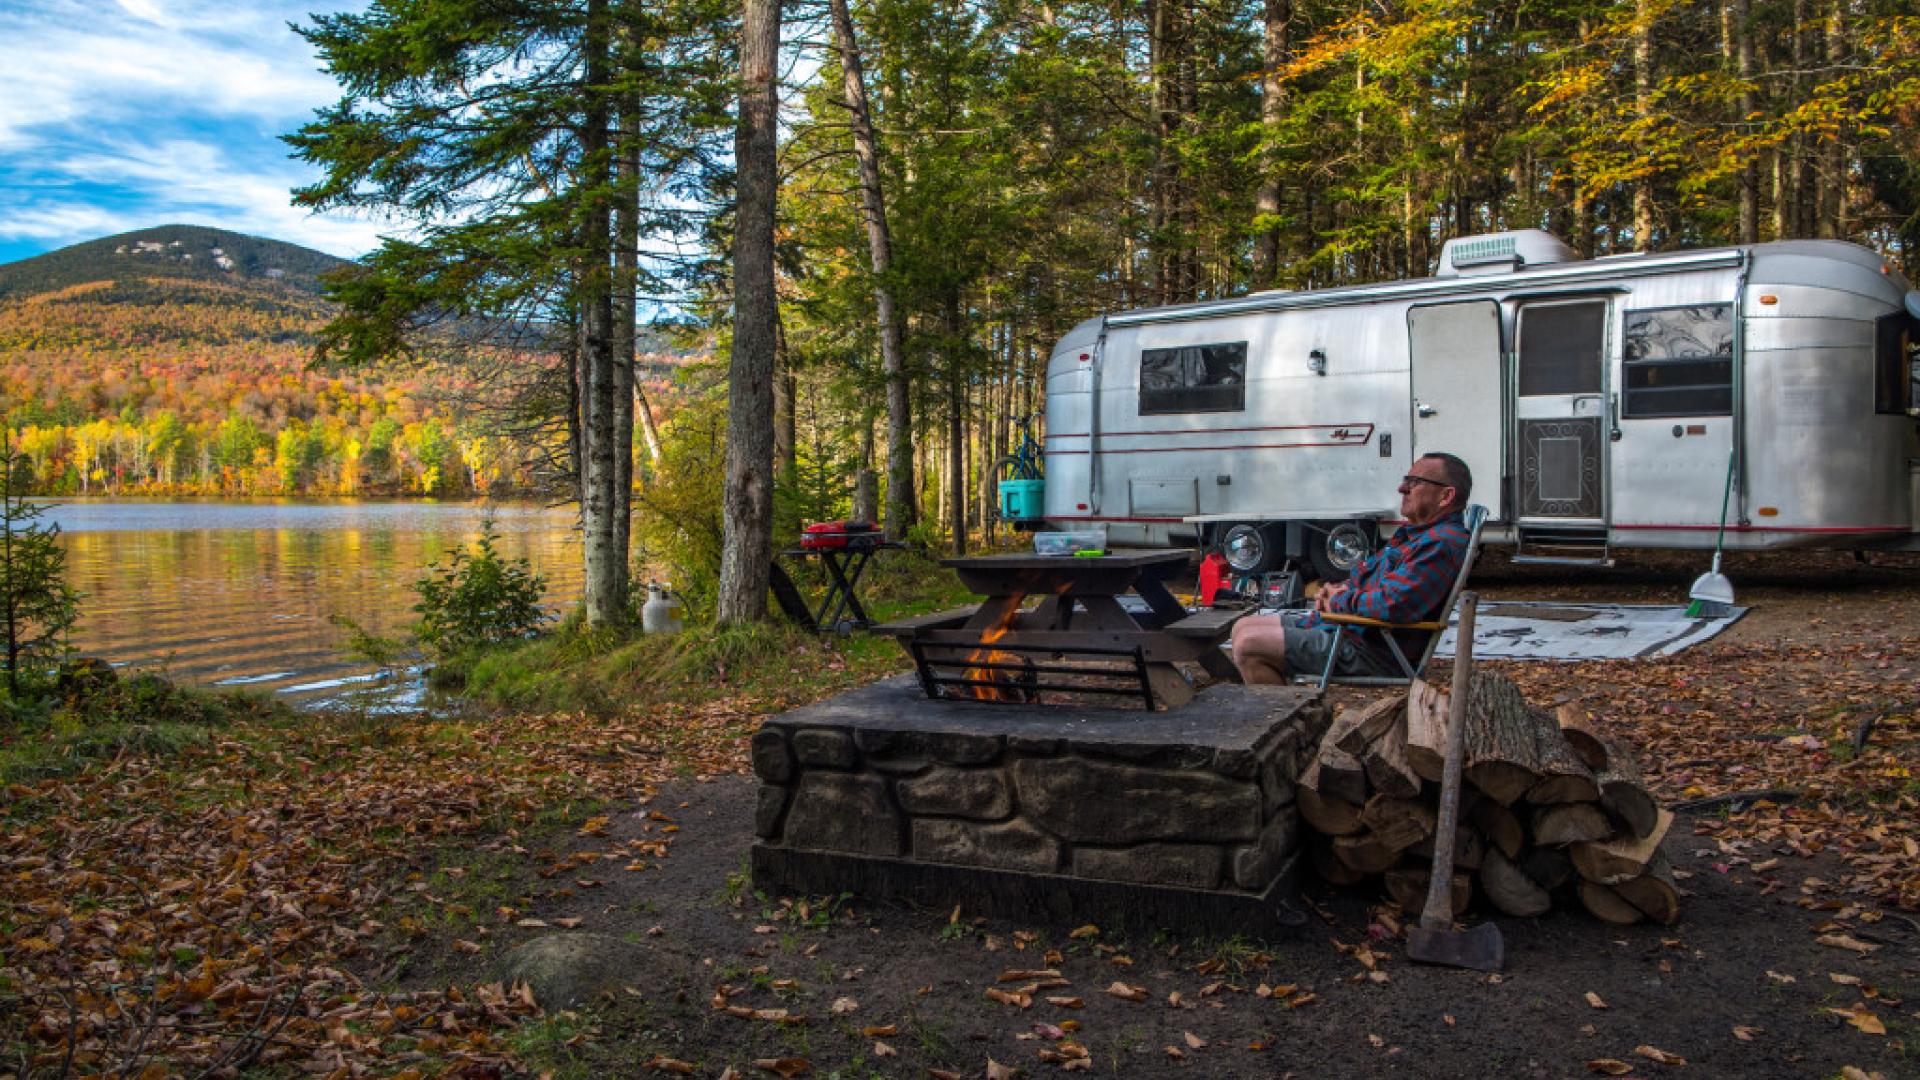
(1551, 806)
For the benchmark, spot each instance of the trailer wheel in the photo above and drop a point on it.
(1339, 547)
(1250, 549)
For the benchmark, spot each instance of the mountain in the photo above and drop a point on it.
(193, 253)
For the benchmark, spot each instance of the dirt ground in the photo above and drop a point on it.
(1782, 964)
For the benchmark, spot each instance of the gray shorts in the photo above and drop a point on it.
(1307, 650)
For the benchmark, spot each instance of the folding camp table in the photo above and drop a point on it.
(840, 610)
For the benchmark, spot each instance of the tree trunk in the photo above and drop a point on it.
(649, 429)
(957, 459)
(747, 546)
(626, 264)
(900, 501)
(785, 406)
(605, 600)
(1833, 159)
(1275, 53)
(1643, 109)
(1742, 33)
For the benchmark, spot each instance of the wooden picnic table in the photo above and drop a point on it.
(1079, 614)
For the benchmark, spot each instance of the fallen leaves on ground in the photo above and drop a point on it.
(205, 911)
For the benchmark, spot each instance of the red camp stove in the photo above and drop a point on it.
(841, 536)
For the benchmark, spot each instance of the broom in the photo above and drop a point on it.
(1712, 593)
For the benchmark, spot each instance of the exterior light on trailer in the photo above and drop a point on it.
(1084, 357)
(1769, 298)
(1768, 511)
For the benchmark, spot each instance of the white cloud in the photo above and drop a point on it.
(190, 181)
(61, 221)
(121, 116)
(99, 68)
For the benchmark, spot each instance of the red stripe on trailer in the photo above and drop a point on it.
(1212, 431)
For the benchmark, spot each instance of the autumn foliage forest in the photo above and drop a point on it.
(139, 379)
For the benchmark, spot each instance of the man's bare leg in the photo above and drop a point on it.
(1260, 649)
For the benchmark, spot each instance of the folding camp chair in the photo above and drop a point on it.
(1476, 516)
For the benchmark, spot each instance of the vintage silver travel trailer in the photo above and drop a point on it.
(1601, 404)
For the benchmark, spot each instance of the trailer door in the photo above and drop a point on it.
(1560, 351)
(1457, 396)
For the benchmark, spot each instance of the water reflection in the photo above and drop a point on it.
(239, 594)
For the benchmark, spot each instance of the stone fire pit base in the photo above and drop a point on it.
(1056, 813)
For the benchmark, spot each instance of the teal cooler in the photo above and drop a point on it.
(1022, 500)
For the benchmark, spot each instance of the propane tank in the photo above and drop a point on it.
(661, 613)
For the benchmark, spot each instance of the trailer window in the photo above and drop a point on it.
(1894, 365)
(1678, 361)
(1560, 348)
(1194, 378)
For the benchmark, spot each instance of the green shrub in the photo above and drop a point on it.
(477, 598)
(677, 511)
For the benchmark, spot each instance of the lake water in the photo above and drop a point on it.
(240, 594)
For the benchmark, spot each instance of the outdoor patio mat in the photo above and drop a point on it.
(1521, 630)
(1542, 630)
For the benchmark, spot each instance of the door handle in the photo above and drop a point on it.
(1421, 408)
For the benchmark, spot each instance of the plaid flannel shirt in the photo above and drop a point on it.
(1408, 579)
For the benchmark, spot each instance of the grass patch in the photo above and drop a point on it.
(608, 670)
(104, 717)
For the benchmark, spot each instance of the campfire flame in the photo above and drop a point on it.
(1005, 688)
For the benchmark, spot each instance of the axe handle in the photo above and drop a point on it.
(1438, 912)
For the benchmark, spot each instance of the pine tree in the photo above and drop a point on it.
(37, 608)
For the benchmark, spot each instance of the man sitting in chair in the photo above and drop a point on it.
(1406, 581)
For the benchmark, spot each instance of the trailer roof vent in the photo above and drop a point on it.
(1499, 253)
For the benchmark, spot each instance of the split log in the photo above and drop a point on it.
(1427, 711)
(1509, 889)
(1570, 823)
(1586, 739)
(1501, 757)
(1340, 775)
(1386, 763)
(1408, 887)
(1369, 852)
(1564, 777)
(1608, 905)
(1331, 869)
(1327, 814)
(1621, 859)
(1549, 868)
(1383, 813)
(1630, 802)
(1654, 892)
(1500, 826)
(1615, 772)
(1369, 723)
(1469, 848)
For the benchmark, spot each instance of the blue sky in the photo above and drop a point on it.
(128, 114)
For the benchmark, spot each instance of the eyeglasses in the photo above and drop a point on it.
(1410, 480)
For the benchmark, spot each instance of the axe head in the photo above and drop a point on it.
(1480, 948)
